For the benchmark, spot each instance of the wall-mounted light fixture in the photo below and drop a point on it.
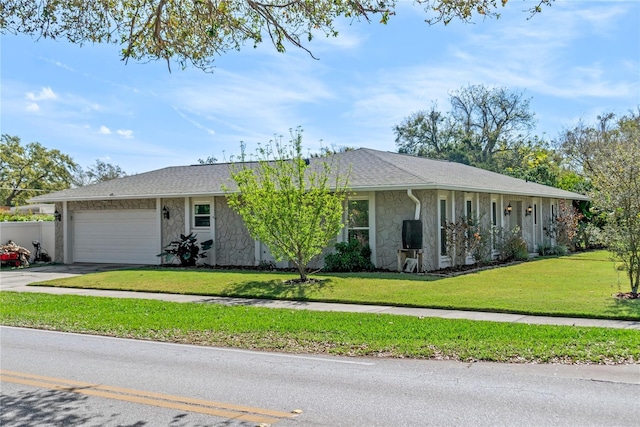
(508, 210)
(57, 215)
(165, 213)
(528, 211)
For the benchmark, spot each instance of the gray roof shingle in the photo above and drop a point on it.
(369, 170)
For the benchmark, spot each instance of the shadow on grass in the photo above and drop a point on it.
(277, 289)
(625, 309)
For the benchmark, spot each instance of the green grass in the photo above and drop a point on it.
(301, 331)
(576, 286)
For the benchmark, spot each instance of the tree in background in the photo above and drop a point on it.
(532, 160)
(210, 160)
(481, 124)
(30, 170)
(489, 120)
(98, 172)
(427, 133)
(292, 205)
(195, 32)
(608, 154)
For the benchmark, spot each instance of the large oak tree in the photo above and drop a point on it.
(196, 31)
(30, 170)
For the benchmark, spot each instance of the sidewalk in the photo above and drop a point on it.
(17, 281)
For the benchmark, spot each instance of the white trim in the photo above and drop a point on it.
(443, 187)
(213, 253)
(453, 206)
(187, 215)
(66, 252)
(372, 227)
(159, 219)
(371, 198)
(493, 227)
(257, 252)
(443, 260)
(501, 210)
(192, 219)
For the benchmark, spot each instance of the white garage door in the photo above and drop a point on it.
(116, 236)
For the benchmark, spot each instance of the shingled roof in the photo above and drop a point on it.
(369, 170)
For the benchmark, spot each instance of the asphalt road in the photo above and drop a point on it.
(55, 379)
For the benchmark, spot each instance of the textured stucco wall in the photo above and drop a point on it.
(527, 224)
(59, 237)
(392, 207)
(174, 226)
(546, 221)
(431, 230)
(234, 245)
(484, 213)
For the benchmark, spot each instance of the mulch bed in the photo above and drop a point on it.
(626, 295)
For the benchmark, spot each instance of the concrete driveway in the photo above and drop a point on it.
(16, 278)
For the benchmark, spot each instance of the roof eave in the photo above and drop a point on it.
(569, 195)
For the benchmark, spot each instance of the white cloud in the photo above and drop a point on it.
(193, 122)
(256, 103)
(126, 134)
(45, 94)
(105, 130)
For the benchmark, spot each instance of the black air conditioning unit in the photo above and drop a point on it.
(411, 234)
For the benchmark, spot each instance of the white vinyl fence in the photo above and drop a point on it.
(24, 233)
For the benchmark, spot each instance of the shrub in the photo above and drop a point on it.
(349, 256)
(513, 247)
(5, 216)
(589, 236)
(186, 250)
(547, 249)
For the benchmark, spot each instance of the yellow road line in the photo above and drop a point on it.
(219, 409)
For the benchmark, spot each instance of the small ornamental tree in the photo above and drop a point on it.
(292, 205)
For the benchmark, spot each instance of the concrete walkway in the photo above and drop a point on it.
(18, 280)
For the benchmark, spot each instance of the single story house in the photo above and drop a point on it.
(130, 219)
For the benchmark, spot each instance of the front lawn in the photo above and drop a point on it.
(580, 285)
(302, 331)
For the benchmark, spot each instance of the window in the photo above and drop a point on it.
(494, 224)
(443, 227)
(202, 215)
(535, 213)
(358, 221)
(469, 212)
(494, 214)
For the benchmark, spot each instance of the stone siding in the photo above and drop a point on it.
(431, 230)
(392, 207)
(59, 237)
(173, 227)
(234, 245)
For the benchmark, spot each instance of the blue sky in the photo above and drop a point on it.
(576, 60)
